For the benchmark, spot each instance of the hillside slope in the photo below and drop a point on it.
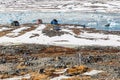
(61, 5)
(69, 35)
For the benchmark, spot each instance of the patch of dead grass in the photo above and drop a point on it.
(3, 33)
(76, 31)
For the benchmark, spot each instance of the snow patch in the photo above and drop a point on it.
(83, 39)
(60, 77)
(4, 28)
(93, 72)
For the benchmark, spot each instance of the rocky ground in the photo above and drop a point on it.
(44, 62)
(17, 60)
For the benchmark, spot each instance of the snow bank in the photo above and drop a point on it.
(83, 39)
(4, 29)
(60, 77)
(61, 5)
(17, 31)
(20, 29)
(93, 72)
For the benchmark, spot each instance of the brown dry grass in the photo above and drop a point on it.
(34, 35)
(49, 71)
(99, 51)
(77, 70)
(20, 66)
(76, 31)
(37, 76)
(55, 49)
(4, 76)
(3, 33)
(79, 78)
(24, 79)
(48, 27)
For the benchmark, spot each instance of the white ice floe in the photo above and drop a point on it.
(92, 72)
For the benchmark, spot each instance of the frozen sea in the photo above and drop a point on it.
(96, 20)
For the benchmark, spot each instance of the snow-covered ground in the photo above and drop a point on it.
(60, 5)
(84, 12)
(28, 76)
(17, 31)
(4, 28)
(60, 77)
(71, 39)
(92, 72)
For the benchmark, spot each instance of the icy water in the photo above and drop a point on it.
(95, 20)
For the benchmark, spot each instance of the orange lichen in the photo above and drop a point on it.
(37, 76)
(77, 70)
(79, 78)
